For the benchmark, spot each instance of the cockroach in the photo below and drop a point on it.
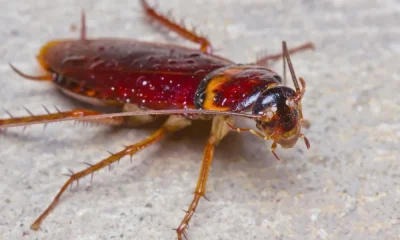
(148, 80)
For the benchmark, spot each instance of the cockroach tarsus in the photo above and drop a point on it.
(146, 80)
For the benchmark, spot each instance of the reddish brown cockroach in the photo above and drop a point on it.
(147, 79)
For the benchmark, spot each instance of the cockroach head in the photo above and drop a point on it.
(280, 114)
(278, 110)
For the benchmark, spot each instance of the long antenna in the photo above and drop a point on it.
(290, 65)
(83, 25)
(284, 69)
(69, 116)
(24, 75)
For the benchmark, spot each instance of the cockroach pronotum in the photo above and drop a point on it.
(147, 80)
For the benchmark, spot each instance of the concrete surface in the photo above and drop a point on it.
(347, 186)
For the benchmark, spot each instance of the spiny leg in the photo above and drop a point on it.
(200, 188)
(218, 131)
(205, 45)
(130, 150)
(56, 117)
(172, 124)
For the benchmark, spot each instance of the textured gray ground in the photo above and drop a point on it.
(347, 186)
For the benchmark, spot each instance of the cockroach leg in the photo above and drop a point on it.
(273, 148)
(54, 117)
(305, 140)
(264, 60)
(239, 130)
(219, 130)
(174, 123)
(83, 25)
(205, 45)
(129, 150)
(47, 77)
